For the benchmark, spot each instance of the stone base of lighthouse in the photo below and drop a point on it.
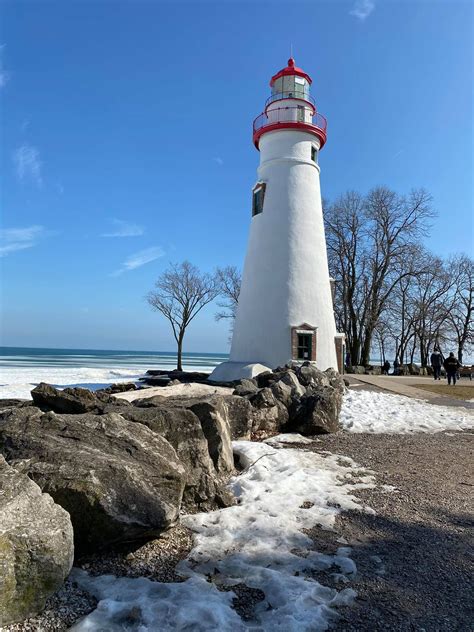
(232, 371)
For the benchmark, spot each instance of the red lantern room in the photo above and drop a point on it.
(290, 106)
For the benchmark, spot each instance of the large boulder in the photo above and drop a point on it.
(118, 480)
(72, 401)
(269, 414)
(246, 387)
(36, 546)
(317, 411)
(206, 481)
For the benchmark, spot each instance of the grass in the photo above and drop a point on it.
(460, 391)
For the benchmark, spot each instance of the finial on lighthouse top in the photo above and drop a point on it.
(291, 69)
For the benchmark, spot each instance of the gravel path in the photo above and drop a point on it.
(414, 556)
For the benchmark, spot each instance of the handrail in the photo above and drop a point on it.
(278, 96)
(287, 115)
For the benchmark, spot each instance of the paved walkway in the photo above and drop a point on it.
(401, 386)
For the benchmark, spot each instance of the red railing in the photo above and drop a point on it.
(290, 117)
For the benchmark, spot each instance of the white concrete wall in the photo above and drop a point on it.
(285, 279)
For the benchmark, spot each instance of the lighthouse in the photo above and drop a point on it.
(285, 308)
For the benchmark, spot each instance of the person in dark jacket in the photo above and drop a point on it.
(436, 363)
(386, 367)
(396, 366)
(451, 365)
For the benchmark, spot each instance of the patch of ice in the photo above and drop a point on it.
(374, 412)
(19, 382)
(258, 542)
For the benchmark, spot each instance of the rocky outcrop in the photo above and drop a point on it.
(36, 546)
(202, 444)
(118, 479)
(71, 401)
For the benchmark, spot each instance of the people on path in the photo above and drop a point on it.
(386, 367)
(396, 366)
(436, 361)
(451, 365)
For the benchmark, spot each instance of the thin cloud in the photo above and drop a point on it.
(362, 9)
(27, 164)
(139, 259)
(4, 76)
(125, 229)
(219, 161)
(13, 239)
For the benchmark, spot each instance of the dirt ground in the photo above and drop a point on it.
(414, 556)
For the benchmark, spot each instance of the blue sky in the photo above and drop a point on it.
(126, 143)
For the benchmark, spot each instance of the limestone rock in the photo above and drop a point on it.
(118, 480)
(289, 378)
(205, 486)
(36, 546)
(246, 387)
(269, 414)
(317, 413)
(69, 400)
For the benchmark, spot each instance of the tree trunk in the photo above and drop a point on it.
(180, 351)
(460, 352)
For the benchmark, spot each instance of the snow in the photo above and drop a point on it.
(288, 438)
(373, 412)
(19, 381)
(258, 542)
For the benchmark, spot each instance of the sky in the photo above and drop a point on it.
(126, 143)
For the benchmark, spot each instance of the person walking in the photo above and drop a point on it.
(451, 365)
(396, 366)
(436, 361)
(386, 367)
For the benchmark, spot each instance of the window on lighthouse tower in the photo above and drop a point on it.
(258, 197)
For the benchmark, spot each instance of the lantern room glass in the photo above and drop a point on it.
(291, 86)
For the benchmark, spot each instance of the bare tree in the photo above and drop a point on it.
(461, 313)
(181, 292)
(229, 281)
(372, 243)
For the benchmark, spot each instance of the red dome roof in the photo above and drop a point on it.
(291, 69)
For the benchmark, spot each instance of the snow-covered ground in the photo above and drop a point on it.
(258, 542)
(369, 411)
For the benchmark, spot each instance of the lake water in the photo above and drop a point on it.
(22, 368)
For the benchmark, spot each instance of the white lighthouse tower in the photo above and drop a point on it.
(285, 309)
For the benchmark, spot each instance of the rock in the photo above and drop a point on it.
(246, 387)
(15, 403)
(72, 401)
(205, 486)
(310, 375)
(281, 392)
(265, 378)
(357, 370)
(120, 387)
(316, 414)
(346, 382)
(36, 546)
(289, 378)
(269, 414)
(373, 370)
(118, 480)
(336, 380)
